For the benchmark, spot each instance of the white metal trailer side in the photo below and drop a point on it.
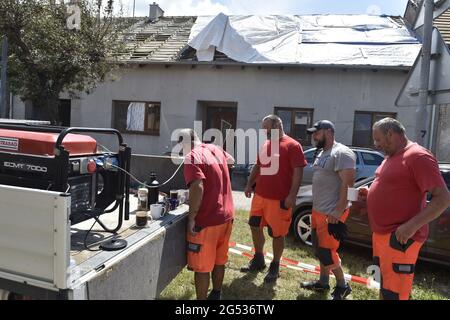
(37, 244)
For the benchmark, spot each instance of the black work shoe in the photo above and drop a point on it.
(314, 285)
(340, 293)
(274, 272)
(255, 265)
(214, 295)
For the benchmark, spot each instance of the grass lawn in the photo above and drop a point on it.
(431, 281)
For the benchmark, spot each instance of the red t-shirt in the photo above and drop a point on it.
(209, 163)
(276, 184)
(399, 190)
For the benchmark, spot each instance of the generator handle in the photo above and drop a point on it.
(65, 132)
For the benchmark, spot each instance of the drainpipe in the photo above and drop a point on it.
(422, 114)
(433, 130)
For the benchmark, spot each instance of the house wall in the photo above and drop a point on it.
(18, 107)
(443, 136)
(334, 94)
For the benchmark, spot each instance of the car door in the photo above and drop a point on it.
(308, 170)
(357, 221)
(438, 244)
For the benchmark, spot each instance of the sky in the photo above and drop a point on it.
(265, 7)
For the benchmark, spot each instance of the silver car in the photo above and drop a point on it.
(367, 161)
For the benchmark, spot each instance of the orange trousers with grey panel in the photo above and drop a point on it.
(269, 212)
(397, 263)
(325, 245)
(209, 247)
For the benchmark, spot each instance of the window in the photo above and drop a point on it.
(136, 117)
(362, 130)
(295, 122)
(372, 159)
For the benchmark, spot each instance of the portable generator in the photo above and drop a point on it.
(63, 160)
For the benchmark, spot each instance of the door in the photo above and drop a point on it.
(221, 118)
(64, 109)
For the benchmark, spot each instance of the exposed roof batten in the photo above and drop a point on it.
(347, 41)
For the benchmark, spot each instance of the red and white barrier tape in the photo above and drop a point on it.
(300, 266)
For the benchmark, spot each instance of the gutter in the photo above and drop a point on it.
(260, 65)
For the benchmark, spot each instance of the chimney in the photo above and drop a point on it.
(155, 12)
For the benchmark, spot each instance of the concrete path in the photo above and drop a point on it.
(240, 201)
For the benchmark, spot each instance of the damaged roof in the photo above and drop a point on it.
(158, 41)
(328, 40)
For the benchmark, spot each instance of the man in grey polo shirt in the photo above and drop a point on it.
(334, 172)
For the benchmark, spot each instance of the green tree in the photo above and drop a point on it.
(46, 58)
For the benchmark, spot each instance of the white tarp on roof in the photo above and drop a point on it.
(314, 39)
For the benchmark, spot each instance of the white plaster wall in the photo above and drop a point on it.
(18, 108)
(443, 137)
(334, 94)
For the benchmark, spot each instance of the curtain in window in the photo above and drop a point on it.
(136, 116)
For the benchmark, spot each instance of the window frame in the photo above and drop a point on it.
(147, 132)
(303, 142)
(372, 114)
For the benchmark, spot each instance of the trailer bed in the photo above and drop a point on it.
(153, 257)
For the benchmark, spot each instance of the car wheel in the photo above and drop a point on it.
(302, 226)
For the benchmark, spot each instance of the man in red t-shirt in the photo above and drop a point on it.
(278, 174)
(397, 208)
(211, 213)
